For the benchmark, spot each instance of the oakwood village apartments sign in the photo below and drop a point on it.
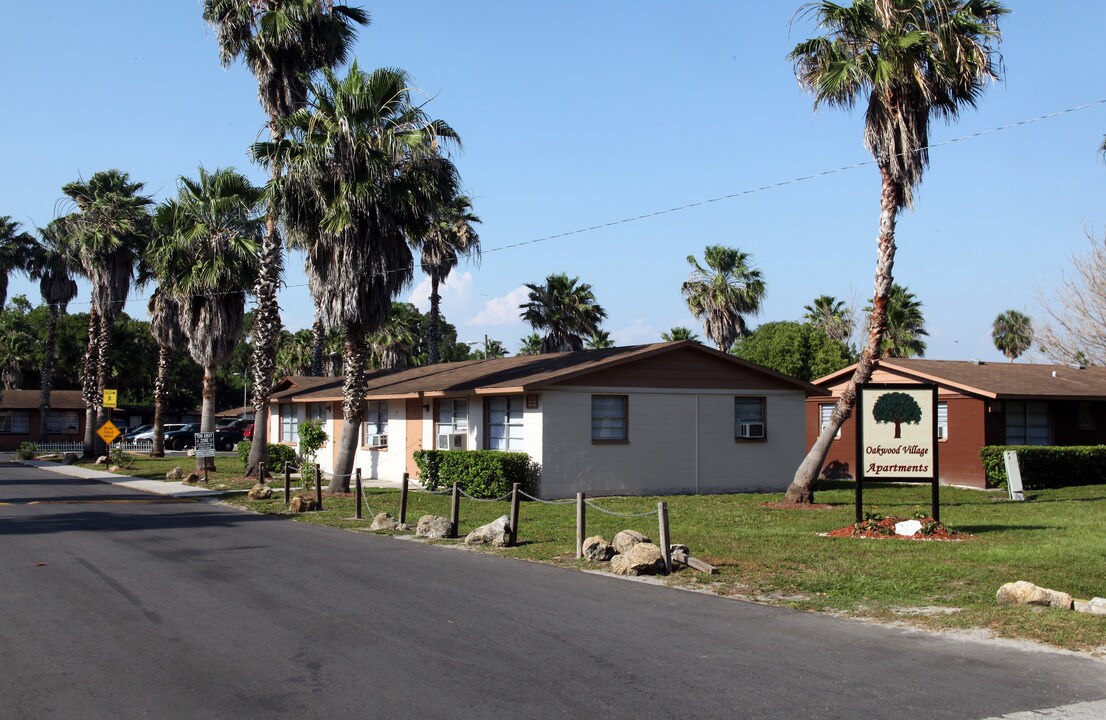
(896, 437)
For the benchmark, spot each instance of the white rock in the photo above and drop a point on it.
(433, 526)
(908, 527)
(497, 533)
(623, 541)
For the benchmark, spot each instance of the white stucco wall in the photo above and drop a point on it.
(679, 441)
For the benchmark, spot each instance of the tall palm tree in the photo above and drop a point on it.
(1012, 332)
(905, 325)
(282, 42)
(205, 258)
(565, 309)
(15, 246)
(530, 345)
(166, 330)
(451, 234)
(357, 191)
(107, 235)
(679, 333)
(722, 293)
(832, 316)
(52, 266)
(913, 60)
(600, 340)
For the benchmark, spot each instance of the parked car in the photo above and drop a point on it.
(149, 434)
(247, 434)
(130, 435)
(237, 424)
(185, 438)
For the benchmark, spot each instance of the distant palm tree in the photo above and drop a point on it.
(905, 325)
(14, 248)
(107, 235)
(166, 331)
(1012, 332)
(679, 333)
(295, 353)
(600, 340)
(51, 264)
(393, 344)
(16, 344)
(832, 316)
(205, 257)
(283, 43)
(722, 293)
(565, 310)
(912, 60)
(530, 345)
(494, 349)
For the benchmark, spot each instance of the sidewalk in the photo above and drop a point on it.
(157, 487)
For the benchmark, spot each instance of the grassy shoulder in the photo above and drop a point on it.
(1056, 539)
(226, 476)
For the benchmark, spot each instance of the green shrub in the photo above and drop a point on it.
(278, 455)
(26, 451)
(480, 473)
(1046, 466)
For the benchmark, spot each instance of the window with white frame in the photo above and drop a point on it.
(825, 410)
(316, 411)
(504, 419)
(289, 423)
(609, 418)
(749, 414)
(376, 424)
(62, 421)
(942, 421)
(1027, 423)
(453, 415)
(15, 421)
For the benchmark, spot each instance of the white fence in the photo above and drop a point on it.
(142, 446)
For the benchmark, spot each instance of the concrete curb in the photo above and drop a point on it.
(155, 487)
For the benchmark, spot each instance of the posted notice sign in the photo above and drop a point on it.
(897, 435)
(205, 444)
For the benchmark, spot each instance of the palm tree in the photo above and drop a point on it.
(364, 176)
(565, 310)
(905, 325)
(15, 350)
(678, 334)
(914, 60)
(52, 266)
(282, 42)
(600, 340)
(832, 316)
(14, 249)
(493, 349)
(166, 331)
(295, 354)
(1012, 332)
(391, 346)
(723, 292)
(450, 235)
(107, 235)
(530, 345)
(205, 258)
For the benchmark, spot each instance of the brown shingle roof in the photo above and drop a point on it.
(28, 399)
(1001, 380)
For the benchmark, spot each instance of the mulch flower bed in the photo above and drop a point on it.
(883, 528)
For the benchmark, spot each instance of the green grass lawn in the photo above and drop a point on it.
(227, 476)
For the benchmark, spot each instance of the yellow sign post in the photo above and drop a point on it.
(110, 398)
(108, 432)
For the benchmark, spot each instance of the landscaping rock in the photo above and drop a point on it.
(433, 526)
(260, 492)
(193, 477)
(626, 539)
(69, 458)
(596, 549)
(908, 528)
(497, 533)
(383, 521)
(174, 474)
(303, 504)
(191, 452)
(679, 547)
(102, 460)
(642, 559)
(1090, 608)
(1026, 593)
(115, 468)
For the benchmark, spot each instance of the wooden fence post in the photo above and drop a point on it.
(666, 546)
(455, 511)
(261, 473)
(514, 515)
(357, 479)
(287, 483)
(318, 487)
(403, 500)
(581, 525)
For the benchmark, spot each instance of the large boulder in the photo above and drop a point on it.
(1026, 593)
(174, 474)
(623, 541)
(433, 527)
(497, 533)
(596, 549)
(1096, 606)
(302, 503)
(192, 477)
(260, 492)
(642, 559)
(383, 521)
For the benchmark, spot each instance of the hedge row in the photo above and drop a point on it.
(480, 473)
(1047, 466)
(278, 455)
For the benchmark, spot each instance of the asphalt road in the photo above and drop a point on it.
(122, 605)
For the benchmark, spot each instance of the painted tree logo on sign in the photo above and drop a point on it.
(897, 408)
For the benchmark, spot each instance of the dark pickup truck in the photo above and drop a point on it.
(184, 438)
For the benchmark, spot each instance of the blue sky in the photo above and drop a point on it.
(579, 114)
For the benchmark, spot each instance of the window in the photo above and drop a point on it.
(289, 424)
(1027, 423)
(15, 421)
(1086, 417)
(504, 420)
(942, 421)
(749, 418)
(316, 411)
(376, 424)
(453, 416)
(62, 421)
(824, 413)
(608, 418)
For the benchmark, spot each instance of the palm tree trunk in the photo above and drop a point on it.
(207, 415)
(801, 489)
(318, 333)
(161, 396)
(266, 329)
(353, 407)
(48, 351)
(89, 376)
(433, 353)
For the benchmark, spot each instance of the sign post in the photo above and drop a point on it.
(896, 437)
(1013, 475)
(205, 447)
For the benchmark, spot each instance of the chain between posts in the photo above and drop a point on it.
(590, 504)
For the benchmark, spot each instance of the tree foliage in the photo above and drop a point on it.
(565, 309)
(723, 293)
(1076, 333)
(797, 349)
(1012, 333)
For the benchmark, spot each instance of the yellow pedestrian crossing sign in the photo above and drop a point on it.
(108, 432)
(110, 398)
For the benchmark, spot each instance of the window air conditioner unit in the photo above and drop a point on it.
(378, 440)
(451, 441)
(751, 430)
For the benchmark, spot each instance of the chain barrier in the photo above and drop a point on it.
(592, 505)
(546, 502)
(501, 498)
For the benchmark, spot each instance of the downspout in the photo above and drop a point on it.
(696, 443)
